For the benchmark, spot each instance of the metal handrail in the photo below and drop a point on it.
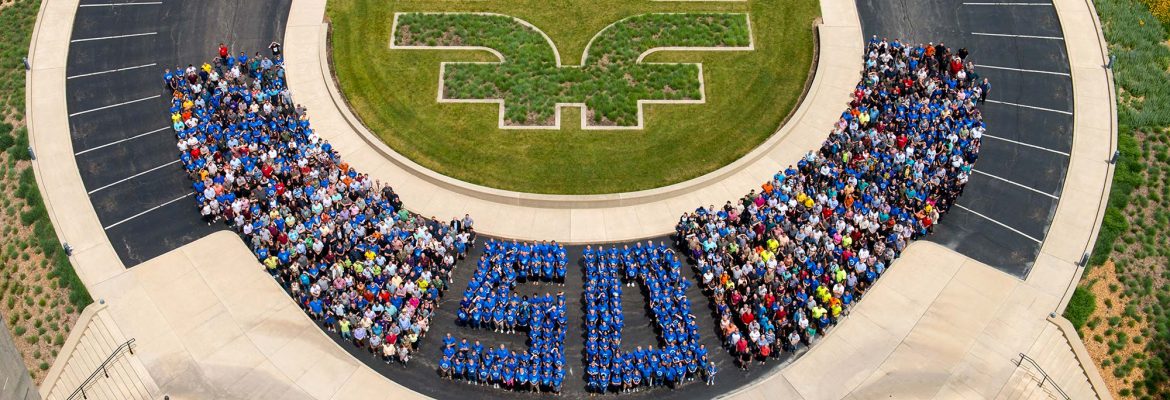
(128, 346)
(1045, 377)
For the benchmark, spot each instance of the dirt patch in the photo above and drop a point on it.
(36, 311)
(1110, 307)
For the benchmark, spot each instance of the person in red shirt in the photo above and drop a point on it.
(741, 347)
(223, 51)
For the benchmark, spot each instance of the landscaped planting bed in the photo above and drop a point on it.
(610, 82)
(1122, 306)
(746, 94)
(40, 293)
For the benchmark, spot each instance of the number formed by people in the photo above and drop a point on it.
(490, 302)
(530, 82)
(680, 355)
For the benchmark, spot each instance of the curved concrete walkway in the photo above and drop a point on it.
(571, 219)
(211, 324)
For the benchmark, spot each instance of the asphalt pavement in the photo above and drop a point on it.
(1007, 207)
(118, 106)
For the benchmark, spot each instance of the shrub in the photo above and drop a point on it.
(1080, 307)
(1160, 9)
(6, 142)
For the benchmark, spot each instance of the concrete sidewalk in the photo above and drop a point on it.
(571, 219)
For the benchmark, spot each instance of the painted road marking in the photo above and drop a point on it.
(1018, 36)
(135, 137)
(112, 70)
(1032, 107)
(998, 223)
(119, 104)
(113, 37)
(1026, 144)
(135, 176)
(147, 3)
(1023, 70)
(144, 212)
(1007, 4)
(1015, 183)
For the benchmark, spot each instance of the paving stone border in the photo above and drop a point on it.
(459, 94)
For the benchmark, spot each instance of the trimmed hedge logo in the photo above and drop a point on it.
(531, 85)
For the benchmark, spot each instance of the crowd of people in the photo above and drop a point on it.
(680, 356)
(341, 243)
(490, 302)
(782, 264)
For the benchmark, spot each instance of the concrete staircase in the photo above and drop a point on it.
(1055, 355)
(93, 339)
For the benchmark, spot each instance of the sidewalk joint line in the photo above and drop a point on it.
(1017, 36)
(998, 223)
(115, 105)
(1032, 107)
(113, 37)
(1026, 144)
(136, 137)
(135, 176)
(1023, 70)
(1017, 184)
(144, 212)
(112, 70)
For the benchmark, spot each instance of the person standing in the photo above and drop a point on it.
(984, 87)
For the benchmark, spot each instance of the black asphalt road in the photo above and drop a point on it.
(128, 161)
(1008, 205)
(126, 153)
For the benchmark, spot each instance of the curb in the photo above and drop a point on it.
(1078, 348)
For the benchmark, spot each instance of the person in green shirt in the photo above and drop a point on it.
(343, 326)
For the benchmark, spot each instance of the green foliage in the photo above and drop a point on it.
(1133, 231)
(1080, 307)
(610, 82)
(748, 95)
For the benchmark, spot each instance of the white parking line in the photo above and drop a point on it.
(1026, 144)
(136, 175)
(112, 70)
(1023, 70)
(998, 223)
(138, 136)
(1017, 36)
(1007, 4)
(144, 212)
(1032, 107)
(1015, 183)
(121, 104)
(113, 37)
(148, 3)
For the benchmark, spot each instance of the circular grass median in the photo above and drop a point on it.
(748, 93)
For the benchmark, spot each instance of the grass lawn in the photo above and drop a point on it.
(749, 93)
